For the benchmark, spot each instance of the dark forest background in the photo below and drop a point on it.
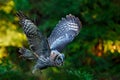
(93, 55)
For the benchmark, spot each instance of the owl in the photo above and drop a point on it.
(47, 52)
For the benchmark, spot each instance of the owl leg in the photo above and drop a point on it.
(36, 67)
(26, 53)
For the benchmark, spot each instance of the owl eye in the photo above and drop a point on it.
(59, 58)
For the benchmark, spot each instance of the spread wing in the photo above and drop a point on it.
(38, 42)
(64, 32)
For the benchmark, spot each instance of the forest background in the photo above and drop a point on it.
(93, 55)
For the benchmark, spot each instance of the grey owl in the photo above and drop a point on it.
(47, 51)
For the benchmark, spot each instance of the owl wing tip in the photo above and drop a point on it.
(74, 19)
(21, 15)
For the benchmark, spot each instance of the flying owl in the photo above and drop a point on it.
(47, 51)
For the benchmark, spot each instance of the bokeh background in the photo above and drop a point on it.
(93, 55)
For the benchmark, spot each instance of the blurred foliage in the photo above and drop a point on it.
(93, 55)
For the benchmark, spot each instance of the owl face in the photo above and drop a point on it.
(57, 58)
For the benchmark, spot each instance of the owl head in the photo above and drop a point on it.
(57, 58)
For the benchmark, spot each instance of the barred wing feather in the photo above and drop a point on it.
(38, 42)
(64, 32)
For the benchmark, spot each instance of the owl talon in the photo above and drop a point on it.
(33, 71)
